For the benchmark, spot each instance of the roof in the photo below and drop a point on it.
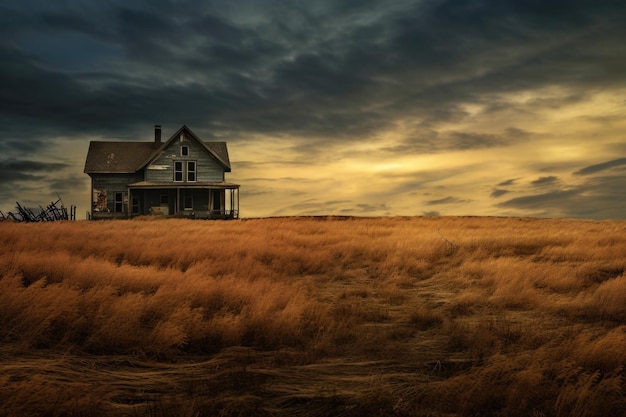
(118, 157)
(129, 157)
(220, 151)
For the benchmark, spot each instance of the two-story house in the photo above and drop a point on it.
(182, 176)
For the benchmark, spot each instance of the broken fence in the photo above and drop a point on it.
(54, 211)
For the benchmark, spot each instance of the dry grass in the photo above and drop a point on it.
(313, 317)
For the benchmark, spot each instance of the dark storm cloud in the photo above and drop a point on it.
(31, 93)
(541, 201)
(22, 145)
(67, 184)
(23, 180)
(599, 197)
(592, 169)
(141, 85)
(16, 170)
(333, 69)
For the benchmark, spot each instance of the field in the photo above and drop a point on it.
(309, 316)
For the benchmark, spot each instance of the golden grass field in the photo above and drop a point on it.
(307, 316)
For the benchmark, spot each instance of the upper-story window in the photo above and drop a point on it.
(185, 171)
(184, 150)
(178, 170)
(191, 170)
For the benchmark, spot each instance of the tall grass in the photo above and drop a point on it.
(313, 316)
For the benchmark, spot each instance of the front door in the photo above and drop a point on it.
(188, 200)
(217, 200)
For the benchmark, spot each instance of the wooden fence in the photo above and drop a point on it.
(54, 211)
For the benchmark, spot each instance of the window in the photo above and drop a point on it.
(178, 171)
(135, 205)
(164, 198)
(184, 151)
(185, 171)
(119, 203)
(191, 170)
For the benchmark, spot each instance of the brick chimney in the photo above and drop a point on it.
(157, 133)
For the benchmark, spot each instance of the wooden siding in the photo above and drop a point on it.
(207, 168)
(111, 184)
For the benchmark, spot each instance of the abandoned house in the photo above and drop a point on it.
(182, 176)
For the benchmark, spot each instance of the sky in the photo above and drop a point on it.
(329, 107)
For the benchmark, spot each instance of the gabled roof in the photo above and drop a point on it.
(216, 149)
(130, 157)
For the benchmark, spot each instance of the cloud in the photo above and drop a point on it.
(431, 141)
(447, 200)
(507, 182)
(14, 169)
(292, 70)
(365, 208)
(545, 181)
(22, 146)
(311, 206)
(345, 207)
(600, 197)
(592, 169)
(540, 200)
(33, 182)
(497, 192)
(67, 184)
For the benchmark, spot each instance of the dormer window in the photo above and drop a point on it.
(184, 151)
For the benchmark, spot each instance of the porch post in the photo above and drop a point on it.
(230, 190)
(130, 202)
(210, 203)
(222, 203)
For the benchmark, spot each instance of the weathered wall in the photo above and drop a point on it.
(207, 168)
(109, 184)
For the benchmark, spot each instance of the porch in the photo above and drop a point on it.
(206, 200)
(200, 200)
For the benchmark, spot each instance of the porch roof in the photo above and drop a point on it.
(174, 185)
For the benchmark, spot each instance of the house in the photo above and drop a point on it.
(182, 176)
